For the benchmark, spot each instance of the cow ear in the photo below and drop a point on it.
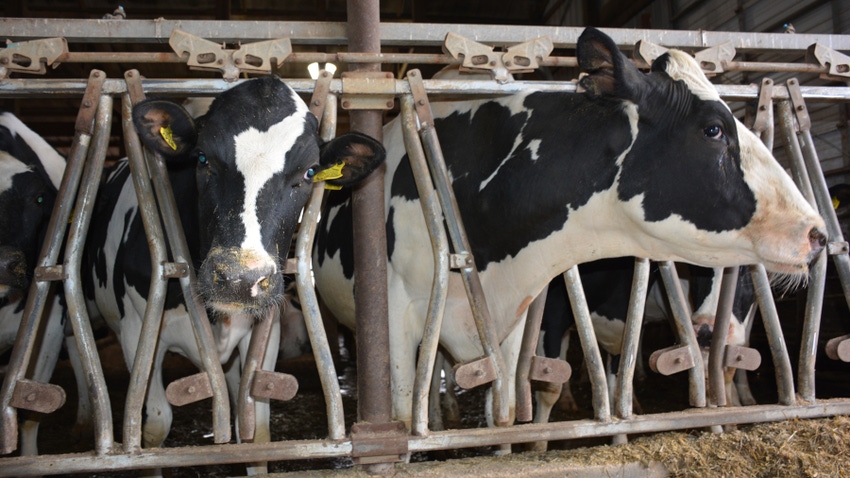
(348, 159)
(165, 127)
(609, 72)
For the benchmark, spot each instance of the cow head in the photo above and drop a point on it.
(30, 173)
(693, 173)
(257, 153)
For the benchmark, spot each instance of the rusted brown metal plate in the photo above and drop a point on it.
(475, 373)
(671, 360)
(378, 442)
(550, 370)
(37, 396)
(839, 348)
(742, 357)
(276, 385)
(189, 389)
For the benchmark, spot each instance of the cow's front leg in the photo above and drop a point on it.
(157, 415)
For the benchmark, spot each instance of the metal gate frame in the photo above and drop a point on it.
(795, 130)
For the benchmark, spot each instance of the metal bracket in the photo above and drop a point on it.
(550, 370)
(459, 261)
(520, 58)
(37, 396)
(174, 270)
(189, 389)
(475, 373)
(32, 56)
(804, 122)
(50, 273)
(378, 442)
(839, 348)
(713, 60)
(276, 385)
(258, 57)
(764, 109)
(368, 90)
(320, 94)
(670, 360)
(837, 64)
(745, 358)
(647, 51)
(835, 248)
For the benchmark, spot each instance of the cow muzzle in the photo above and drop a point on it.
(13, 268)
(236, 278)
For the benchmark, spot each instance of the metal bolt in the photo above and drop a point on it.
(389, 104)
(345, 104)
(316, 103)
(238, 61)
(87, 104)
(678, 360)
(547, 370)
(421, 102)
(479, 373)
(324, 74)
(270, 386)
(739, 358)
(800, 108)
(191, 390)
(4, 61)
(31, 397)
(96, 74)
(508, 63)
(220, 61)
(762, 107)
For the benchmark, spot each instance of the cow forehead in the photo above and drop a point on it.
(9, 167)
(681, 66)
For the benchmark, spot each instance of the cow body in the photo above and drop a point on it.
(240, 175)
(30, 174)
(645, 165)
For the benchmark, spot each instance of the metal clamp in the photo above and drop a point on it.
(764, 110)
(32, 56)
(804, 122)
(837, 64)
(368, 90)
(647, 51)
(520, 58)
(258, 57)
(713, 60)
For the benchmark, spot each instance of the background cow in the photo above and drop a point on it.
(648, 165)
(241, 175)
(30, 173)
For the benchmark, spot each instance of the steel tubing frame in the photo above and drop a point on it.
(624, 395)
(90, 119)
(528, 348)
(440, 251)
(443, 440)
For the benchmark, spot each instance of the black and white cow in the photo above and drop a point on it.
(241, 175)
(30, 173)
(649, 165)
(607, 284)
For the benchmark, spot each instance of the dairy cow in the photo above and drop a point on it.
(607, 284)
(30, 173)
(241, 174)
(649, 165)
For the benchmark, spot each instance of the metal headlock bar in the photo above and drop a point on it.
(378, 443)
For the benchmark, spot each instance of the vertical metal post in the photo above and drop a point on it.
(623, 397)
(775, 338)
(530, 337)
(374, 403)
(717, 351)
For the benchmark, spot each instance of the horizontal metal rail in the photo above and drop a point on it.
(442, 440)
(53, 88)
(392, 34)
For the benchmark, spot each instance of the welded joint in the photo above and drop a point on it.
(32, 56)
(373, 443)
(368, 90)
(798, 104)
(836, 63)
(206, 55)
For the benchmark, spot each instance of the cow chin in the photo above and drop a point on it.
(227, 309)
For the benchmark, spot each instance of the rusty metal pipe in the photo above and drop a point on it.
(717, 351)
(592, 355)
(439, 287)
(253, 362)
(528, 348)
(624, 395)
(684, 328)
(775, 338)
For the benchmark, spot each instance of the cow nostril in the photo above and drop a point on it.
(817, 239)
(264, 283)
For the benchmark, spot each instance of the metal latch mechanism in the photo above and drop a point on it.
(258, 57)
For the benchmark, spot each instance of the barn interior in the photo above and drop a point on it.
(53, 116)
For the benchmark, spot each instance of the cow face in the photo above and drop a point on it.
(30, 172)
(257, 153)
(693, 167)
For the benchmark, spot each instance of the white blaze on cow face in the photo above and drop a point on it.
(259, 156)
(9, 167)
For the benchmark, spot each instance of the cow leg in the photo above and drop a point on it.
(45, 364)
(157, 414)
(510, 352)
(546, 395)
(742, 386)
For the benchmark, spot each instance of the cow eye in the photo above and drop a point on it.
(202, 158)
(310, 173)
(713, 132)
(39, 199)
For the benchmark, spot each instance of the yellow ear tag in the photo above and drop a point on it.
(333, 172)
(168, 136)
(835, 203)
